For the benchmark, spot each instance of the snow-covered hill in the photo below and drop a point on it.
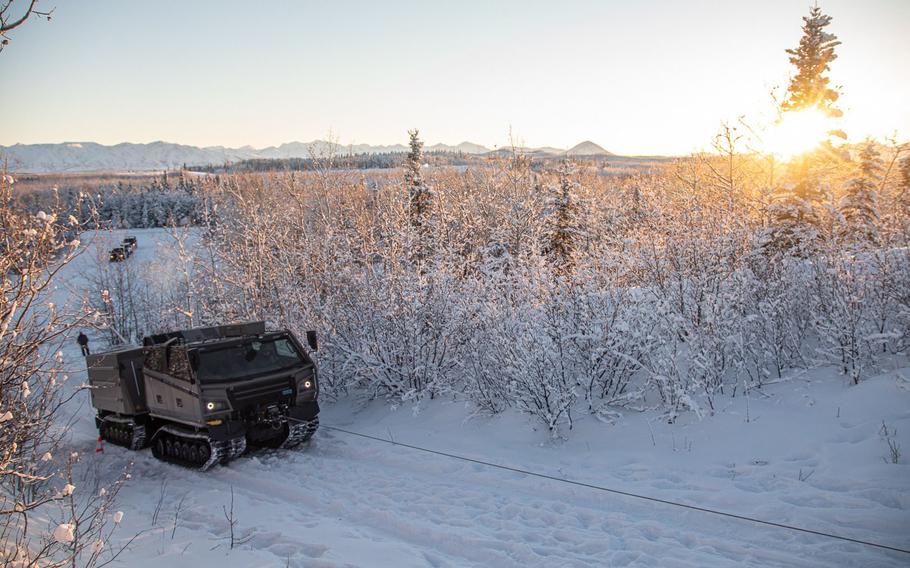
(806, 451)
(89, 156)
(587, 148)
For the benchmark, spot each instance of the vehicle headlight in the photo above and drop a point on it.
(306, 388)
(215, 405)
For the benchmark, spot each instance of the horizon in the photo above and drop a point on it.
(532, 74)
(426, 145)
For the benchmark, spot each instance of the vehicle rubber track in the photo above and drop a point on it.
(300, 431)
(122, 432)
(194, 450)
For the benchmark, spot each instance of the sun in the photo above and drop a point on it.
(797, 132)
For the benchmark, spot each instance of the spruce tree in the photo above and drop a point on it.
(562, 227)
(859, 205)
(420, 197)
(795, 218)
(809, 88)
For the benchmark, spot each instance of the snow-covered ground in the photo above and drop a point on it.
(805, 452)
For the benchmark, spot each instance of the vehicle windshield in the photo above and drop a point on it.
(240, 360)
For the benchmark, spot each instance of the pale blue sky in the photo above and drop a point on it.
(651, 76)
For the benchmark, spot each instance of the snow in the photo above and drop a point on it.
(64, 533)
(806, 451)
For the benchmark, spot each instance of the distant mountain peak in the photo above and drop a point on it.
(587, 148)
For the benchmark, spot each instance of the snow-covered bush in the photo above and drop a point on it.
(37, 483)
(611, 337)
(527, 335)
(860, 307)
(407, 339)
(673, 296)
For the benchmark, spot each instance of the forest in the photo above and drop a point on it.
(557, 290)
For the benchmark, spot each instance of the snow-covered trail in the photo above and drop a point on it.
(807, 453)
(344, 501)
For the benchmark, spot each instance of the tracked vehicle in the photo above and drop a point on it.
(202, 396)
(117, 254)
(130, 242)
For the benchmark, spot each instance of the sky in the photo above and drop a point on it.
(643, 77)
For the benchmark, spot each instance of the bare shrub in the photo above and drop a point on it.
(48, 515)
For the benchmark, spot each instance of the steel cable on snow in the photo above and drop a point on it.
(620, 492)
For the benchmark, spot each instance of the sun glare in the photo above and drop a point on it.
(798, 132)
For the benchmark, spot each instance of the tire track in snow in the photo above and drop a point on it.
(471, 514)
(439, 512)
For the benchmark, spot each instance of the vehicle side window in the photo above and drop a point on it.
(285, 349)
(154, 359)
(179, 364)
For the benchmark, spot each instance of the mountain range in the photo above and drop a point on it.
(91, 156)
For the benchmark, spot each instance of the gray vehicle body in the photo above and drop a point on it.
(116, 380)
(224, 383)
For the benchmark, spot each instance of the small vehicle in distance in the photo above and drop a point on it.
(130, 243)
(117, 254)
